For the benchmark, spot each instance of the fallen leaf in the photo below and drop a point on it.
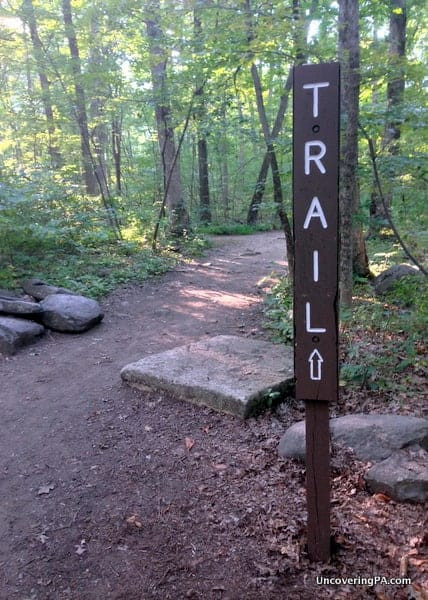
(189, 443)
(81, 548)
(220, 467)
(134, 520)
(420, 562)
(46, 489)
(404, 561)
(381, 497)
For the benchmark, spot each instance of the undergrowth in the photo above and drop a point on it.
(76, 249)
(233, 229)
(382, 339)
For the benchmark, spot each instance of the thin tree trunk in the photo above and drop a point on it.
(276, 179)
(99, 133)
(259, 189)
(301, 26)
(224, 168)
(116, 138)
(81, 115)
(204, 190)
(394, 95)
(353, 254)
(179, 221)
(30, 17)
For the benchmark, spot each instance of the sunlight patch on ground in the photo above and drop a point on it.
(198, 298)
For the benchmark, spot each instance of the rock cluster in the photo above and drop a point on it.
(24, 319)
(396, 445)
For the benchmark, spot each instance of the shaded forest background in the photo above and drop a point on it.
(126, 126)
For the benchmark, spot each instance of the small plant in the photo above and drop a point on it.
(279, 311)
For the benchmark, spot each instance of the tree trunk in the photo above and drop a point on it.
(276, 179)
(259, 189)
(179, 221)
(353, 254)
(224, 169)
(81, 115)
(30, 18)
(99, 135)
(204, 190)
(301, 26)
(116, 139)
(394, 95)
(395, 86)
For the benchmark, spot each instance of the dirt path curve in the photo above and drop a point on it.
(81, 453)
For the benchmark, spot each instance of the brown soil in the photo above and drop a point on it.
(111, 494)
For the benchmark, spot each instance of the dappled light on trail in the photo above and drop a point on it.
(199, 297)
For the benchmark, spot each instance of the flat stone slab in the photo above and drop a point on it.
(231, 374)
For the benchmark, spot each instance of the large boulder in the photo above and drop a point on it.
(70, 313)
(372, 437)
(16, 306)
(40, 289)
(15, 333)
(387, 279)
(403, 476)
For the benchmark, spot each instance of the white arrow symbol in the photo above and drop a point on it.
(315, 360)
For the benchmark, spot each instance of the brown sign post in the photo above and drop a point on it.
(315, 223)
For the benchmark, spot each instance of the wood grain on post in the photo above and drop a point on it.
(318, 479)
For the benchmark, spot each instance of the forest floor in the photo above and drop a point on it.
(110, 493)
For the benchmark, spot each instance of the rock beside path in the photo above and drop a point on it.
(70, 313)
(386, 280)
(15, 333)
(40, 289)
(371, 437)
(19, 307)
(403, 476)
(379, 439)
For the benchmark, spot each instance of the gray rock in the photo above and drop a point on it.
(372, 437)
(8, 295)
(403, 476)
(73, 314)
(386, 280)
(231, 374)
(40, 290)
(19, 307)
(15, 333)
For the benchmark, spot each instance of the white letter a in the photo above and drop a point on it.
(315, 211)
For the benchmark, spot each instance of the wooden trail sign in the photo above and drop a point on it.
(315, 223)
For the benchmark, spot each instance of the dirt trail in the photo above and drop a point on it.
(80, 453)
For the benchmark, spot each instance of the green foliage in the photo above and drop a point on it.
(383, 339)
(233, 229)
(279, 311)
(67, 240)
